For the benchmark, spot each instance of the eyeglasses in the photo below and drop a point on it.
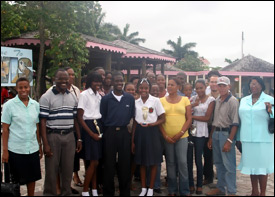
(144, 80)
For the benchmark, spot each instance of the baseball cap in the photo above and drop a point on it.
(223, 80)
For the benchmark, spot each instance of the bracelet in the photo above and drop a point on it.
(182, 132)
(229, 140)
(79, 140)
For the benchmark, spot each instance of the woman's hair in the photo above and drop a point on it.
(108, 73)
(97, 68)
(202, 81)
(22, 79)
(176, 80)
(144, 80)
(92, 77)
(128, 83)
(187, 84)
(259, 80)
(134, 78)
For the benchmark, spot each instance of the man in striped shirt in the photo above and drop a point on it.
(58, 109)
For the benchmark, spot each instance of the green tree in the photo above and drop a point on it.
(190, 63)
(57, 21)
(179, 51)
(13, 22)
(229, 61)
(131, 38)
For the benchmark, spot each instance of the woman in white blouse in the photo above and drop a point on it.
(203, 106)
(146, 137)
(89, 116)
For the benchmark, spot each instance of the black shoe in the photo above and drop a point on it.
(74, 191)
(158, 191)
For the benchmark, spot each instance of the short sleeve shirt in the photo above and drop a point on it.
(59, 109)
(90, 103)
(175, 115)
(155, 109)
(22, 120)
(226, 112)
(200, 110)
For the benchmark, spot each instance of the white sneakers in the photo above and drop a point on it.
(94, 192)
(150, 192)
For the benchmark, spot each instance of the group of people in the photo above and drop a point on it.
(116, 126)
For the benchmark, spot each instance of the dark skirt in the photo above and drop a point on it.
(93, 148)
(148, 148)
(25, 168)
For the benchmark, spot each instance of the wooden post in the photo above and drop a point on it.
(128, 73)
(143, 68)
(108, 62)
(162, 68)
(240, 86)
(154, 68)
(187, 79)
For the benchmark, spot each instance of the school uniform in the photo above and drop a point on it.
(147, 140)
(90, 103)
(117, 111)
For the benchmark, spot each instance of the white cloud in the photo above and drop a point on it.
(216, 27)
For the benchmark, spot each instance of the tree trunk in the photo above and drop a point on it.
(40, 60)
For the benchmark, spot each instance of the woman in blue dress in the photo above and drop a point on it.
(257, 143)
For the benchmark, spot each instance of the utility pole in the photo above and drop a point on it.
(242, 44)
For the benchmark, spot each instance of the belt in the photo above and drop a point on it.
(60, 131)
(222, 129)
(118, 128)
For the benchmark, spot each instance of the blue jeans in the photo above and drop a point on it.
(176, 155)
(198, 145)
(225, 162)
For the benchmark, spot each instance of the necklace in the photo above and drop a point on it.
(254, 100)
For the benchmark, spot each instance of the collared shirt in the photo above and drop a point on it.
(226, 113)
(115, 113)
(75, 91)
(117, 97)
(155, 109)
(59, 109)
(22, 120)
(90, 103)
(254, 119)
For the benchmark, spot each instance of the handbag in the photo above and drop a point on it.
(270, 123)
(8, 188)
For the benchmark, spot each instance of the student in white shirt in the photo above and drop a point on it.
(146, 141)
(89, 117)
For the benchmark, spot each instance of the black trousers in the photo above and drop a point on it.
(208, 160)
(117, 141)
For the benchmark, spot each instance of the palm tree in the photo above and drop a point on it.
(129, 38)
(179, 51)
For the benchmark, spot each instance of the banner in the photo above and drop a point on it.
(15, 63)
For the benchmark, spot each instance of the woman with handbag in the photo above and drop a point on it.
(21, 141)
(203, 106)
(257, 143)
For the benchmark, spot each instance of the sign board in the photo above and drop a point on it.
(15, 63)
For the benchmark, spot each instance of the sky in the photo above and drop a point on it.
(216, 27)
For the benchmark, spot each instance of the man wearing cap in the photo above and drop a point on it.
(221, 139)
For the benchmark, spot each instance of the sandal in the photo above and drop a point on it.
(79, 184)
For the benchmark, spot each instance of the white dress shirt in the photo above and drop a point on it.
(155, 109)
(90, 103)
